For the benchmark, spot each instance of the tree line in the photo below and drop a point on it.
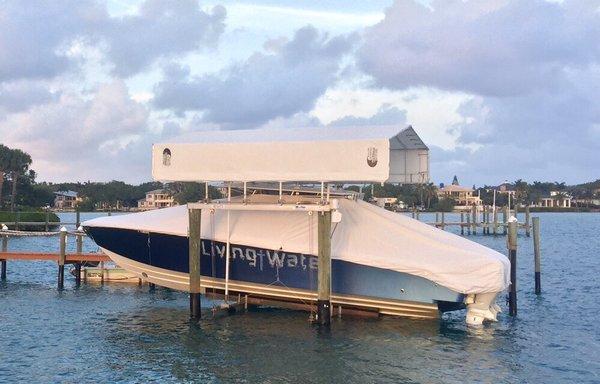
(14, 165)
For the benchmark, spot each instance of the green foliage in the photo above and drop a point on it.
(10, 217)
(443, 205)
(191, 192)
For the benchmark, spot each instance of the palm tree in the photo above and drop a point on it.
(4, 167)
(18, 165)
(430, 191)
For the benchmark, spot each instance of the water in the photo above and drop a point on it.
(124, 333)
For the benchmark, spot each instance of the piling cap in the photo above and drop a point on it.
(4, 227)
(63, 229)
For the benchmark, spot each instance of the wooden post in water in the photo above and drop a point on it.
(462, 225)
(527, 221)
(512, 255)
(79, 241)
(443, 221)
(468, 223)
(486, 229)
(17, 219)
(195, 216)
(537, 257)
(77, 218)
(437, 219)
(417, 215)
(324, 269)
(505, 219)
(61, 257)
(4, 249)
(474, 212)
(495, 227)
(47, 223)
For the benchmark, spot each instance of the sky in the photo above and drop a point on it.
(498, 89)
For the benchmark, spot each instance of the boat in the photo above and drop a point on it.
(106, 273)
(262, 245)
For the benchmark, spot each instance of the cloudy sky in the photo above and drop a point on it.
(499, 89)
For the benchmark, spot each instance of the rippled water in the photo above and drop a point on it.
(126, 333)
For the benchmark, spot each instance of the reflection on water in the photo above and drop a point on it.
(125, 333)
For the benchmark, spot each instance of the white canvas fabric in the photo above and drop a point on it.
(341, 154)
(367, 235)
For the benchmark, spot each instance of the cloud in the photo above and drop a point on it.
(386, 115)
(35, 36)
(492, 48)
(76, 138)
(21, 95)
(532, 70)
(161, 29)
(263, 87)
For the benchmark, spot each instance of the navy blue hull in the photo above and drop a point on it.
(264, 266)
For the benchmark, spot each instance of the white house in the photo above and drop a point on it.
(158, 198)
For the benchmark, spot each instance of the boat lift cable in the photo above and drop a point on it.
(228, 245)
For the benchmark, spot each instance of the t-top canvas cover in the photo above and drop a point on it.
(340, 154)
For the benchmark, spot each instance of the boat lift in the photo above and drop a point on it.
(312, 155)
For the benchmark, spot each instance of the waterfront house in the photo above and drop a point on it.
(463, 196)
(556, 199)
(66, 200)
(158, 198)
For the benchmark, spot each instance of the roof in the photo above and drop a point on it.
(317, 154)
(155, 191)
(456, 188)
(66, 193)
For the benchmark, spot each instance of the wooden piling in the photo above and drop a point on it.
(495, 228)
(61, 258)
(195, 216)
(462, 226)
(537, 256)
(443, 222)
(79, 242)
(474, 212)
(324, 269)
(417, 215)
(47, 222)
(505, 219)
(3, 261)
(468, 223)
(527, 221)
(77, 218)
(437, 220)
(512, 255)
(17, 220)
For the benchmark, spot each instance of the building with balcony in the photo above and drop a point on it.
(66, 200)
(158, 198)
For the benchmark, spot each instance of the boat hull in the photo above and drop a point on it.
(275, 274)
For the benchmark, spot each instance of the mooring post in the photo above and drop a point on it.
(527, 221)
(505, 219)
(417, 215)
(4, 250)
(195, 216)
(495, 213)
(474, 211)
(443, 221)
(512, 255)
(537, 257)
(77, 218)
(462, 225)
(17, 220)
(47, 223)
(437, 219)
(468, 223)
(79, 242)
(61, 257)
(324, 269)
(412, 213)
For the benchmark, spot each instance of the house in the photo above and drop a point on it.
(66, 200)
(158, 198)
(463, 196)
(556, 199)
(385, 202)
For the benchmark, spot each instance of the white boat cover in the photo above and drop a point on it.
(367, 235)
(340, 154)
